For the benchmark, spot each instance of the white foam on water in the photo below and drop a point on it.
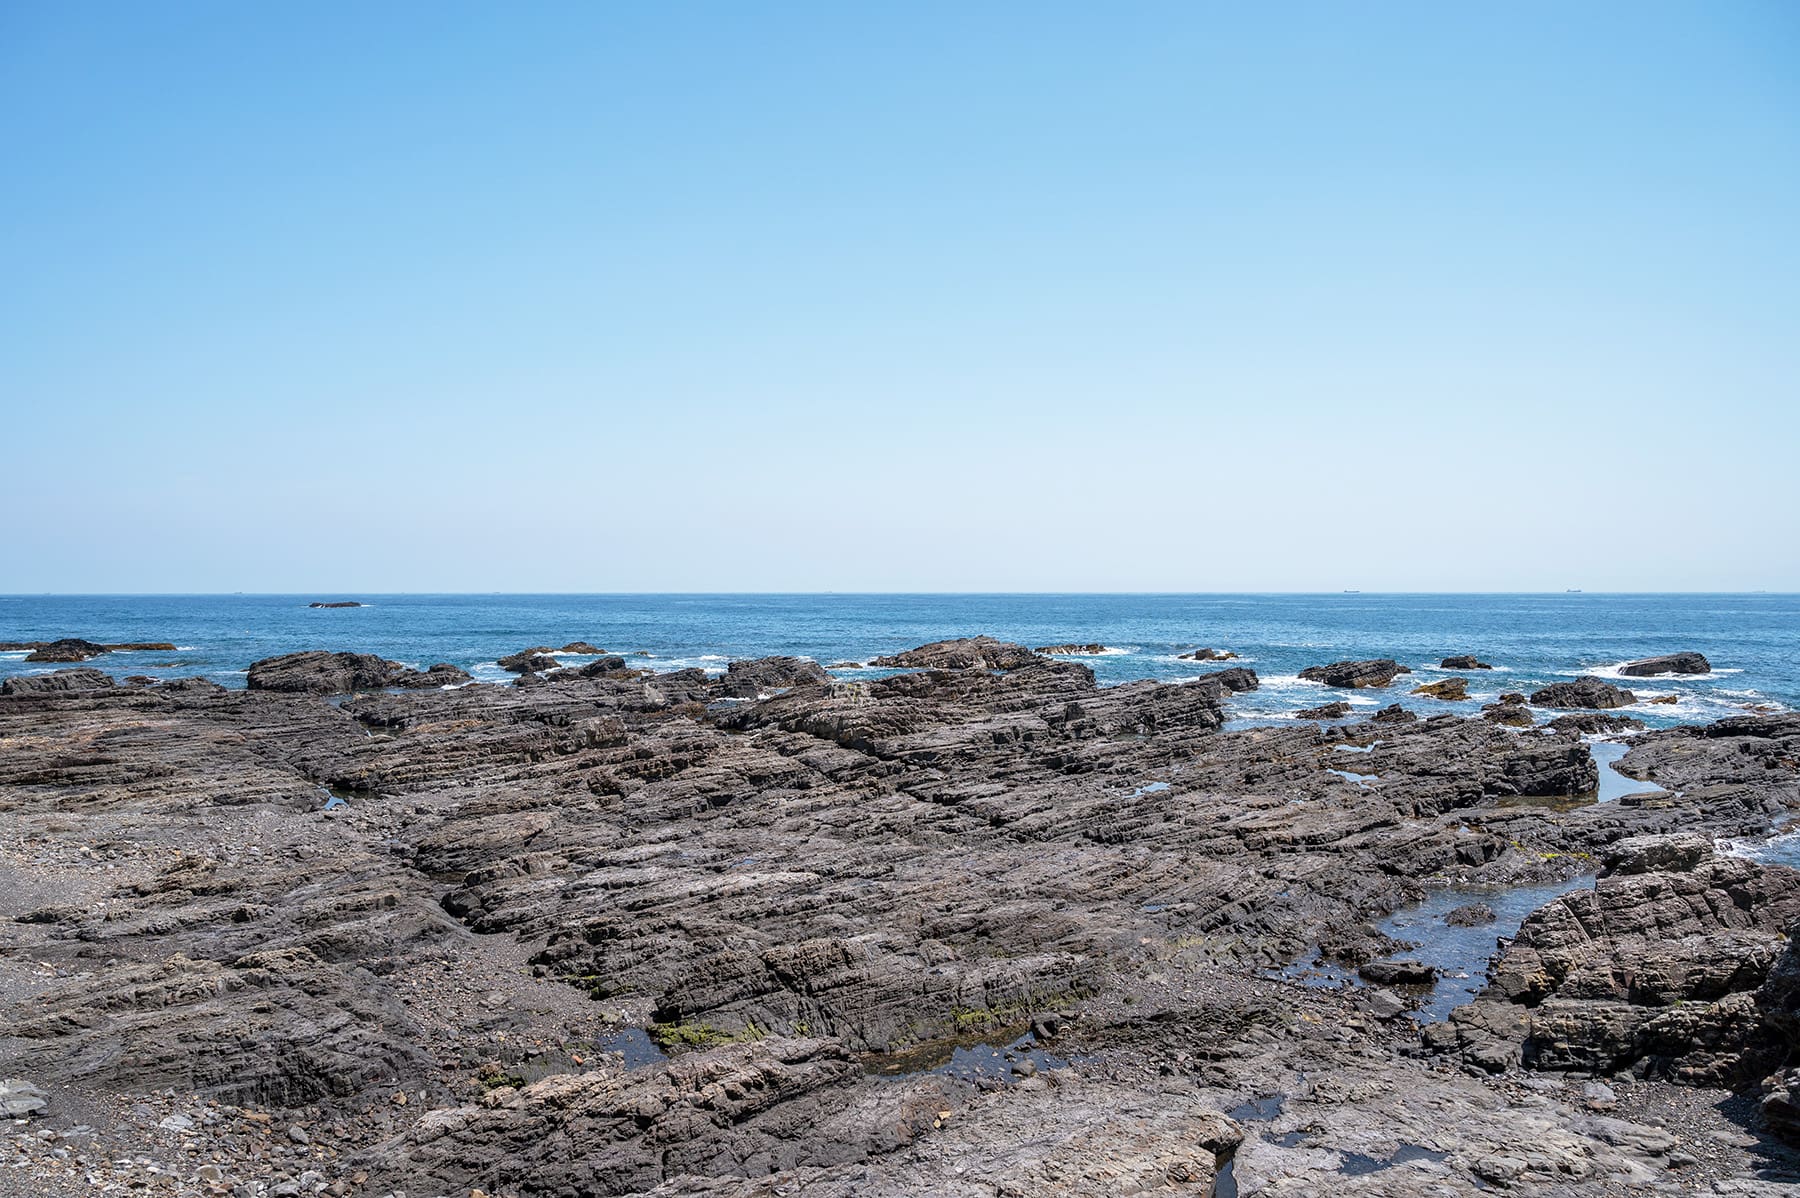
(1782, 848)
(1612, 671)
(15, 654)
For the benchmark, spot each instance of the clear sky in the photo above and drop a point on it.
(961, 296)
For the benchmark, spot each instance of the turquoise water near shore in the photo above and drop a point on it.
(1753, 641)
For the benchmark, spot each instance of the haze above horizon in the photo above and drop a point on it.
(803, 298)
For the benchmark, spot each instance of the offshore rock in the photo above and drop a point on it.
(529, 661)
(966, 653)
(1673, 663)
(1355, 674)
(340, 603)
(1450, 690)
(1209, 655)
(73, 649)
(1586, 691)
(1236, 679)
(1330, 711)
(1466, 661)
(600, 667)
(1596, 723)
(1088, 650)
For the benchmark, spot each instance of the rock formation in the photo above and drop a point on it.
(1355, 674)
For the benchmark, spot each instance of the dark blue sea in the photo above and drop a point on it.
(1753, 641)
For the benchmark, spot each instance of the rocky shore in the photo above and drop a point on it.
(983, 928)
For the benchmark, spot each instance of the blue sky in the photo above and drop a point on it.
(411, 297)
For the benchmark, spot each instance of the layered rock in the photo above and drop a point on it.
(966, 653)
(1586, 691)
(1673, 663)
(1464, 661)
(1355, 674)
(1451, 690)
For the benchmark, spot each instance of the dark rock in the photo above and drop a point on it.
(529, 661)
(748, 679)
(1510, 710)
(60, 681)
(1238, 678)
(1330, 711)
(1450, 690)
(67, 650)
(439, 675)
(1595, 723)
(600, 667)
(1644, 854)
(1673, 663)
(1469, 915)
(1393, 714)
(580, 647)
(320, 673)
(1209, 655)
(342, 603)
(1586, 691)
(1398, 973)
(1087, 650)
(967, 653)
(1466, 661)
(1355, 674)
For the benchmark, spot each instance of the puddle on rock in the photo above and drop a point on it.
(1459, 954)
(966, 1060)
(1356, 1164)
(341, 796)
(1148, 788)
(1258, 1110)
(1359, 779)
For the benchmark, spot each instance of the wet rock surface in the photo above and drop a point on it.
(637, 933)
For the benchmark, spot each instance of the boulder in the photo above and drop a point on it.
(1673, 663)
(61, 681)
(1643, 854)
(1209, 655)
(1088, 650)
(1586, 691)
(1393, 713)
(1451, 690)
(19, 1098)
(1355, 674)
(964, 653)
(1465, 661)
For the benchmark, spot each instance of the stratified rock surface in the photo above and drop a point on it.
(984, 927)
(1586, 691)
(1355, 674)
(1673, 663)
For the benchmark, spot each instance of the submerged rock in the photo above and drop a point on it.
(1355, 674)
(1586, 691)
(1673, 663)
